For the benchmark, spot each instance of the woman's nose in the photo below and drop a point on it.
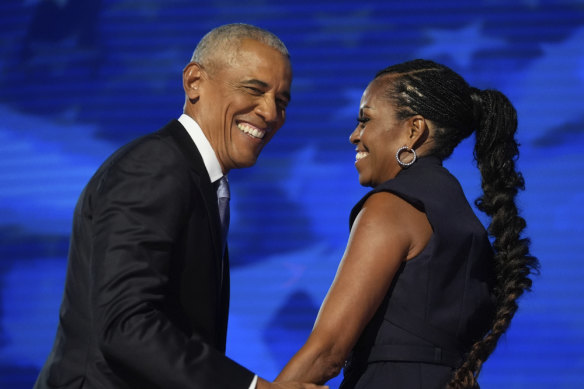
(355, 136)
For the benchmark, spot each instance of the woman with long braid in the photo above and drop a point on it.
(422, 295)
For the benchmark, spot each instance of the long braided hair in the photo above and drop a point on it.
(439, 94)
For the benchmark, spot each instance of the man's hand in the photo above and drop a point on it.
(263, 384)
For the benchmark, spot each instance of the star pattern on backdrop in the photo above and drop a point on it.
(460, 44)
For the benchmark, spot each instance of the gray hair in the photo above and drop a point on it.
(227, 38)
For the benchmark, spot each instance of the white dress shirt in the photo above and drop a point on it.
(207, 153)
(211, 164)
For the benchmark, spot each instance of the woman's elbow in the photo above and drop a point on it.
(330, 363)
(334, 369)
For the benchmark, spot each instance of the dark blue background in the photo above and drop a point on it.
(80, 78)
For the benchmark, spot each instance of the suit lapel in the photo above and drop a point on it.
(205, 187)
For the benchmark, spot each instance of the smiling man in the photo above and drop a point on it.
(238, 96)
(147, 290)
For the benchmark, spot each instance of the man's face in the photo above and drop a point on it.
(242, 102)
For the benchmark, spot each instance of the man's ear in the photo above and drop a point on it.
(192, 75)
(418, 130)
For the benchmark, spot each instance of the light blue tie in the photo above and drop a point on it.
(223, 203)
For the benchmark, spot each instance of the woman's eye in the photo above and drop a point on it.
(362, 120)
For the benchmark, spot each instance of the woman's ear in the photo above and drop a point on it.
(192, 75)
(418, 131)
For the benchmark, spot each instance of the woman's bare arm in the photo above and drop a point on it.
(387, 231)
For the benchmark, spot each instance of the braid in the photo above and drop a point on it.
(495, 152)
(434, 91)
(442, 96)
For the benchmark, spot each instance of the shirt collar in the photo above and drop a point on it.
(207, 153)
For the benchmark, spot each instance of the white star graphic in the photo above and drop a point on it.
(460, 44)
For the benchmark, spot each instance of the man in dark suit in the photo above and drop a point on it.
(147, 290)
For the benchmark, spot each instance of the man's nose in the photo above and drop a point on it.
(267, 109)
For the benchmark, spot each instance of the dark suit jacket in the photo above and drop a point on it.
(146, 303)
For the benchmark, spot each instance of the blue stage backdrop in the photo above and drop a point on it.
(80, 78)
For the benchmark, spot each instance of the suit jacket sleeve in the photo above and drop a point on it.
(137, 211)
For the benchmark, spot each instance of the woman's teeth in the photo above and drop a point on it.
(361, 155)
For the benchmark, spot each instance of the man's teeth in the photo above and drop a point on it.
(361, 155)
(256, 133)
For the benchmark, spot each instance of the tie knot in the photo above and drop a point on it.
(223, 188)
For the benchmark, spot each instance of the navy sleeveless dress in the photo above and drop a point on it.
(439, 302)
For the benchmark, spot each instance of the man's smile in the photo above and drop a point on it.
(251, 130)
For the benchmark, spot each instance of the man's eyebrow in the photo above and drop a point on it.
(265, 85)
(257, 82)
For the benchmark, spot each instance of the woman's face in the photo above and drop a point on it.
(378, 136)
